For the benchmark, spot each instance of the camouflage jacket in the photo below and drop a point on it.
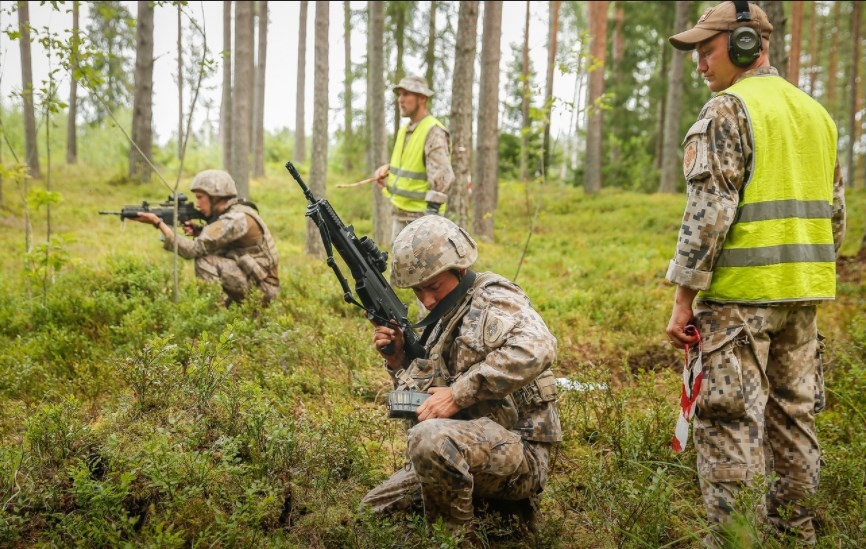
(498, 352)
(240, 234)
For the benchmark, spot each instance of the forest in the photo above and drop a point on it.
(138, 410)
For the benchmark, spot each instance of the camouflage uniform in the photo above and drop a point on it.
(763, 379)
(497, 353)
(237, 250)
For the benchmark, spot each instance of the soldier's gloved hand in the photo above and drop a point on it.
(432, 208)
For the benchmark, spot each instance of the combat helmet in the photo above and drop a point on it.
(216, 183)
(428, 246)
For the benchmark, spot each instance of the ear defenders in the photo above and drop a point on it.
(744, 43)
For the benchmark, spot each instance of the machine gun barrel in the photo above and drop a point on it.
(366, 263)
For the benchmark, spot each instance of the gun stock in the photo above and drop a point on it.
(366, 263)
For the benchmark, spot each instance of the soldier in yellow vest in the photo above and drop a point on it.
(419, 174)
(763, 223)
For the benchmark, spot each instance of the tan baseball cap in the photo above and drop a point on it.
(720, 18)
(415, 84)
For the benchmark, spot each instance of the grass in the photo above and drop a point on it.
(130, 419)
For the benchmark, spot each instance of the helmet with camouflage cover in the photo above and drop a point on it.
(428, 246)
(215, 183)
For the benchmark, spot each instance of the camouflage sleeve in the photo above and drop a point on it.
(437, 158)
(839, 213)
(716, 159)
(214, 237)
(511, 341)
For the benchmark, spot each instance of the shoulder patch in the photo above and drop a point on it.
(493, 329)
(690, 155)
(696, 161)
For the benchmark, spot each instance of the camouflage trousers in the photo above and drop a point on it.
(453, 461)
(763, 384)
(234, 281)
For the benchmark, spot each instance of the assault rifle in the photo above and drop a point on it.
(165, 211)
(367, 263)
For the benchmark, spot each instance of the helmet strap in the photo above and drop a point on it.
(466, 282)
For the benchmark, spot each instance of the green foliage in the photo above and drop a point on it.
(130, 419)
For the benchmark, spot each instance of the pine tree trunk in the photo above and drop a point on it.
(670, 165)
(430, 53)
(552, 39)
(486, 180)
(598, 45)
(832, 97)
(142, 103)
(72, 115)
(796, 41)
(179, 81)
(30, 137)
(815, 39)
(259, 101)
(778, 52)
(461, 111)
(300, 123)
(853, 130)
(399, 45)
(348, 161)
(319, 158)
(378, 136)
(242, 97)
(226, 104)
(524, 103)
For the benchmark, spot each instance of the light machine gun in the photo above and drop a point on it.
(366, 263)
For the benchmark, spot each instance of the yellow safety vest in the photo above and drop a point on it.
(407, 182)
(780, 247)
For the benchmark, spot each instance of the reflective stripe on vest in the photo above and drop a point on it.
(780, 247)
(407, 182)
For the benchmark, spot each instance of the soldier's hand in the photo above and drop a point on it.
(147, 217)
(381, 174)
(389, 335)
(439, 405)
(191, 229)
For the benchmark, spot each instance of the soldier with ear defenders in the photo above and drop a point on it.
(756, 254)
